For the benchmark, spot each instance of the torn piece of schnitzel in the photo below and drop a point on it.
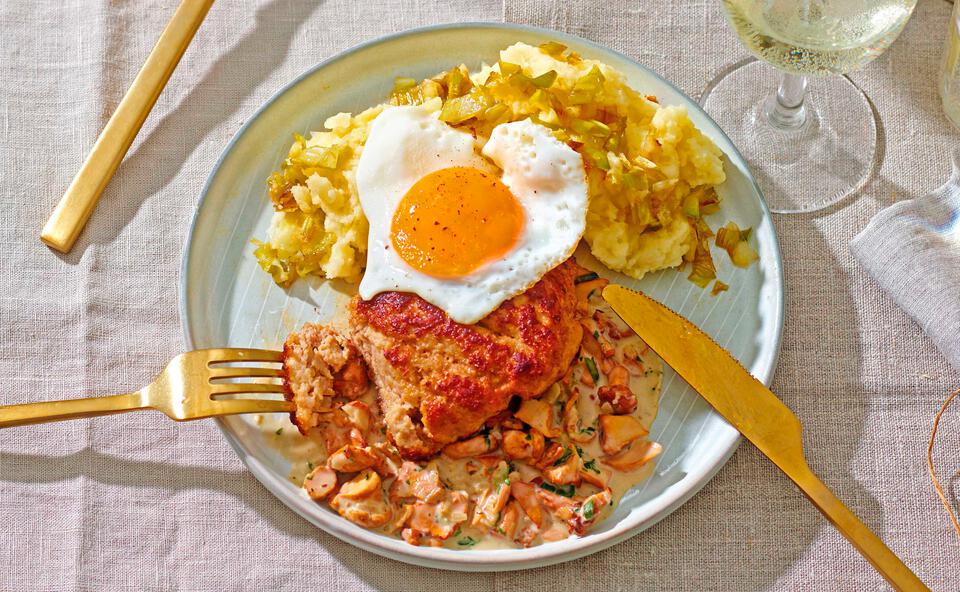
(439, 380)
(319, 364)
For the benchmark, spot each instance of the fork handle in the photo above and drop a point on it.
(870, 546)
(31, 413)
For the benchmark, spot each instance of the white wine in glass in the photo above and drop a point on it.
(810, 147)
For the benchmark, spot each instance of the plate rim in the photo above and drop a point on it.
(477, 560)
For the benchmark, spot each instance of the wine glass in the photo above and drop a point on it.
(809, 142)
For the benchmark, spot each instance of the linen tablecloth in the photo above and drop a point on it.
(136, 502)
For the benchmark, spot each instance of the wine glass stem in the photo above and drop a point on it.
(785, 110)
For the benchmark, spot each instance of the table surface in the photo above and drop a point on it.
(137, 502)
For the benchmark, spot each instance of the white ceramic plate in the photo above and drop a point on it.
(226, 300)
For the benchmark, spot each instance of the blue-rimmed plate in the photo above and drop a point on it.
(226, 300)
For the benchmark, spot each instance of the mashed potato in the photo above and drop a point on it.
(636, 222)
(318, 227)
(650, 171)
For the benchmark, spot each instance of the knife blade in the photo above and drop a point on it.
(752, 409)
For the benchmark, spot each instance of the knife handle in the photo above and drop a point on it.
(870, 546)
(80, 199)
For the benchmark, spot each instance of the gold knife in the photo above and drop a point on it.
(67, 220)
(755, 411)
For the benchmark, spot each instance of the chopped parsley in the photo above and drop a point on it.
(588, 430)
(459, 530)
(563, 457)
(279, 431)
(486, 438)
(592, 368)
(596, 334)
(587, 277)
(502, 477)
(310, 466)
(564, 490)
(588, 510)
(467, 542)
(591, 465)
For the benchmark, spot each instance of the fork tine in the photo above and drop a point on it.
(234, 372)
(237, 388)
(222, 355)
(235, 406)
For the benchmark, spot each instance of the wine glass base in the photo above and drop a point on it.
(804, 169)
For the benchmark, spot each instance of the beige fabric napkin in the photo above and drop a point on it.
(912, 249)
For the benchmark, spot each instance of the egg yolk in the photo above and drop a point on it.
(455, 220)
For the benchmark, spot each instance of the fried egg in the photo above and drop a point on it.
(466, 229)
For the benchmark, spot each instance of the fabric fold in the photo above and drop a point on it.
(912, 250)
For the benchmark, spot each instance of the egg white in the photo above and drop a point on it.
(545, 175)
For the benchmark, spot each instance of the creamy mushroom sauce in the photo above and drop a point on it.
(475, 475)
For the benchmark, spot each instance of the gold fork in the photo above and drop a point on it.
(190, 387)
